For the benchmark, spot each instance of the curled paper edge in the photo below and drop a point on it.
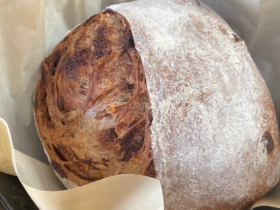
(121, 192)
(9, 157)
(270, 199)
(6, 154)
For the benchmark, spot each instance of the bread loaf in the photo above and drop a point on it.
(164, 89)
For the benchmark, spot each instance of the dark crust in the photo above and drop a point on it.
(101, 43)
(268, 141)
(58, 169)
(91, 104)
(236, 38)
(150, 171)
(128, 42)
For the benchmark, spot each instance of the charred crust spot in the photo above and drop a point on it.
(55, 60)
(128, 42)
(127, 156)
(268, 141)
(58, 169)
(129, 86)
(60, 103)
(198, 2)
(70, 64)
(132, 142)
(58, 153)
(150, 171)
(142, 78)
(150, 118)
(109, 53)
(100, 43)
(136, 145)
(236, 38)
(109, 135)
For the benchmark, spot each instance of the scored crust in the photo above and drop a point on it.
(91, 105)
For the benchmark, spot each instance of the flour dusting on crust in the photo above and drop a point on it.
(211, 108)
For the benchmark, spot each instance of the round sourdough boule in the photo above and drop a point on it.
(165, 89)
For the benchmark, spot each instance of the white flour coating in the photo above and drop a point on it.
(210, 106)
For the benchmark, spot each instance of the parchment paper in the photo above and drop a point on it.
(29, 29)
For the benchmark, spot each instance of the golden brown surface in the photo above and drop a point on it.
(91, 105)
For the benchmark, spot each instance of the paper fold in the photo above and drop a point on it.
(6, 163)
(122, 192)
